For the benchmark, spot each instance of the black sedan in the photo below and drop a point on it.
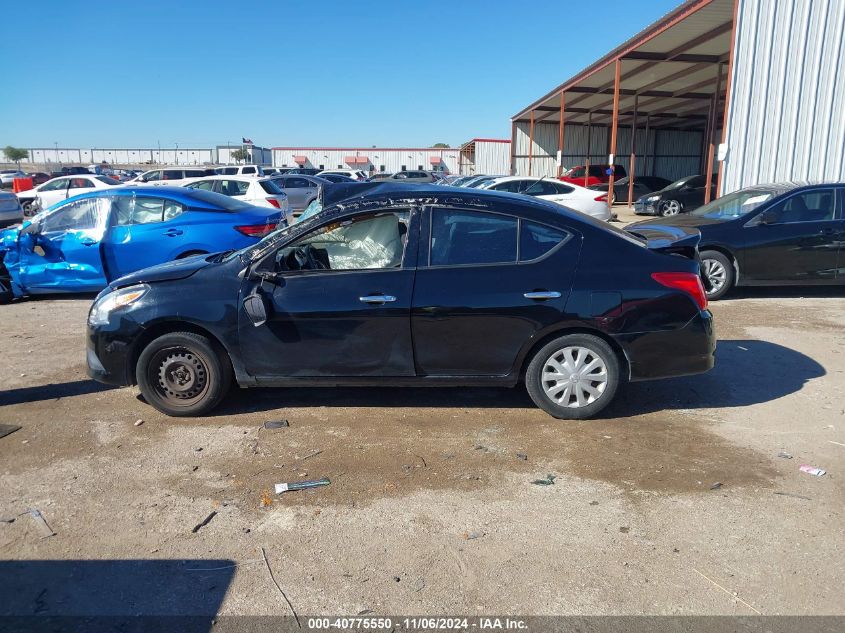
(768, 235)
(642, 185)
(408, 285)
(682, 196)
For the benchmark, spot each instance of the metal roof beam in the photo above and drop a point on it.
(664, 57)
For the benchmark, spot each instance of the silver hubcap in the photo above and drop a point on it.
(574, 377)
(671, 207)
(715, 273)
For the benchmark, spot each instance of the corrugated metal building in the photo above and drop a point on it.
(485, 156)
(748, 89)
(256, 155)
(85, 156)
(368, 159)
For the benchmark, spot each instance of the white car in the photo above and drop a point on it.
(7, 176)
(241, 170)
(257, 191)
(170, 176)
(355, 174)
(10, 209)
(587, 201)
(61, 188)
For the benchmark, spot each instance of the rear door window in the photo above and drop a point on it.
(233, 187)
(472, 237)
(173, 174)
(248, 170)
(204, 185)
(270, 187)
(816, 205)
(535, 240)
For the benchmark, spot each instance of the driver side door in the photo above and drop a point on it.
(341, 302)
(63, 253)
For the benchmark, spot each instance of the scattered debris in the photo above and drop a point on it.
(471, 536)
(481, 447)
(7, 519)
(812, 470)
(300, 485)
(837, 443)
(624, 529)
(548, 481)
(204, 522)
(421, 458)
(785, 455)
(273, 578)
(419, 584)
(266, 499)
(792, 494)
(8, 429)
(396, 579)
(522, 456)
(45, 530)
(276, 424)
(594, 503)
(675, 550)
(195, 469)
(310, 455)
(731, 594)
(198, 449)
(138, 422)
(716, 485)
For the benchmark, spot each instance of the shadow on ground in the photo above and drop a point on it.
(95, 595)
(747, 372)
(51, 391)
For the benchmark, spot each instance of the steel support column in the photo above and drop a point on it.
(513, 147)
(727, 98)
(633, 160)
(589, 146)
(614, 130)
(560, 134)
(531, 142)
(711, 131)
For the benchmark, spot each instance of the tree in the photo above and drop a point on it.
(239, 155)
(441, 145)
(15, 154)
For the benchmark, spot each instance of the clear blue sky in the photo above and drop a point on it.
(291, 72)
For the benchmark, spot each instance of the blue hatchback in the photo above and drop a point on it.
(85, 242)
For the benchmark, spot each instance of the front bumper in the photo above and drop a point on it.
(109, 354)
(643, 208)
(669, 353)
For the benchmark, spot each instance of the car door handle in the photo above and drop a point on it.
(828, 231)
(172, 232)
(88, 242)
(377, 299)
(542, 295)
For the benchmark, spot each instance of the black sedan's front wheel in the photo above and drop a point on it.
(573, 377)
(719, 271)
(183, 374)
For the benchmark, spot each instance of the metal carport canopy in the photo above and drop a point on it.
(666, 76)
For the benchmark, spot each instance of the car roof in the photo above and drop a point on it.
(247, 177)
(180, 194)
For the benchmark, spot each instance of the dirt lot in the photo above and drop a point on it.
(430, 508)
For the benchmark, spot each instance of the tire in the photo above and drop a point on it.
(669, 208)
(183, 374)
(719, 270)
(6, 295)
(27, 209)
(566, 399)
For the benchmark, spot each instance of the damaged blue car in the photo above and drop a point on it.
(85, 242)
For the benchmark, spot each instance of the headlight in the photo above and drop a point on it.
(105, 305)
(652, 199)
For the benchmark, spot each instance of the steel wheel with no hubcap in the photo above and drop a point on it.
(574, 377)
(180, 376)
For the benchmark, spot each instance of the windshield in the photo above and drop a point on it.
(734, 205)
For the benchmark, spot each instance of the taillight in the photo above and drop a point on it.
(601, 198)
(274, 202)
(255, 230)
(685, 282)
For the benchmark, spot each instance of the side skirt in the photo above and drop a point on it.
(381, 381)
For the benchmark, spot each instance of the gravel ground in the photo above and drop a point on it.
(431, 509)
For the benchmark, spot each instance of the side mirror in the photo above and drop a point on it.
(256, 308)
(767, 217)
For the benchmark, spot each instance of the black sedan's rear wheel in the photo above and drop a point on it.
(183, 374)
(669, 208)
(573, 377)
(719, 271)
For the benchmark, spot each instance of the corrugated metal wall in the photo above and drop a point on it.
(492, 158)
(81, 156)
(391, 159)
(787, 109)
(670, 154)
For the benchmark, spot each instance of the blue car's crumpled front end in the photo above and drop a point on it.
(10, 260)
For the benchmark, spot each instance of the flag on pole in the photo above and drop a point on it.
(246, 141)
